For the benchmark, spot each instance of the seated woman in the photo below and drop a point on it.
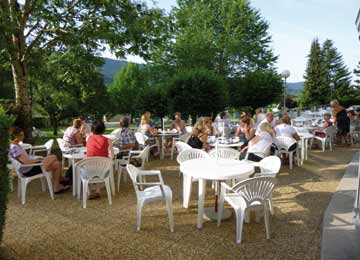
(285, 129)
(98, 145)
(73, 135)
(208, 127)
(50, 162)
(260, 145)
(320, 131)
(199, 136)
(245, 128)
(145, 126)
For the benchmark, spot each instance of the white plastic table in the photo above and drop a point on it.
(79, 155)
(304, 138)
(217, 170)
(164, 135)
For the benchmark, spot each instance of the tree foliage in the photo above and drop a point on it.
(68, 84)
(35, 26)
(256, 89)
(197, 92)
(325, 67)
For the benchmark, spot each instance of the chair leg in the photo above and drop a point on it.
(108, 190)
(220, 207)
(43, 184)
(330, 145)
(168, 201)
(172, 150)
(23, 191)
(19, 181)
(112, 183)
(323, 142)
(49, 183)
(266, 218)
(119, 178)
(270, 205)
(239, 224)
(291, 155)
(85, 186)
(257, 215)
(138, 221)
(187, 183)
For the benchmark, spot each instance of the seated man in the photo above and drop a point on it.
(125, 138)
(285, 129)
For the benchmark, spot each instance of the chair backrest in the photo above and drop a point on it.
(141, 138)
(93, 168)
(270, 165)
(181, 146)
(188, 129)
(185, 137)
(284, 142)
(133, 173)
(256, 189)
(330, 131)
(49, 145)
(191, 154)
(225, 153)
(144, 154)
(62, 144)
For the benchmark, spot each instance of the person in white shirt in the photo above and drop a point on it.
(269, 118)
(285, 129)
(260, 145)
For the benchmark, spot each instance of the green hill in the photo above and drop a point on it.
(110, 68)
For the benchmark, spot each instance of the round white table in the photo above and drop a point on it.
(215, 170)
(164, 135)
(304, 138)
(79, 153)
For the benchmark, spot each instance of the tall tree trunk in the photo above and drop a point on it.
(54, 123)
(22, 97)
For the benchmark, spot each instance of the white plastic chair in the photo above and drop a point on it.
(143, 140)
(157, 191)
(43, 148)
(283, 144)
(24, 181)
(95, 170)
(133, 154)
(63, 147)
(183, 138)
(224, 153)
(190, 154)
(330, 133)
(252, 193)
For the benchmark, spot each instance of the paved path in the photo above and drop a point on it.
(341, 236)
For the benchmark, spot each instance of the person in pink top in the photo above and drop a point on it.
(72, 134)
(98, 145)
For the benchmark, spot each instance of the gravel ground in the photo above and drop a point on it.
(62, 229)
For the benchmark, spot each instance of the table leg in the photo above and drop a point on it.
(202, 190)
(302, 150)
(162, 147)
(306, 148)
(74, 183)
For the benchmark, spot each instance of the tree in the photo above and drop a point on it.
(6, 122)
(256, 89)
(336, 73)
(226, 36)
(197, 92)
(124, 90)
(315, 76)
(35, 26)
(68, 84)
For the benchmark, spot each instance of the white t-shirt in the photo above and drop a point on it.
(285, 130)
(273, 124)
(262, 147)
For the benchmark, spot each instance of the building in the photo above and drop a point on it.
(357, 22)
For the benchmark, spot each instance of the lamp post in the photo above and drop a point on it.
(332, 85)
(285, 74)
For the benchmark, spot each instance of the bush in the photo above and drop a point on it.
(6, 122)
(197, 92)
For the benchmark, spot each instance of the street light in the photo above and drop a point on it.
(285, 74)
(332, 85)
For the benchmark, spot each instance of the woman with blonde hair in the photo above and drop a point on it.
(260, 145)
(145, 126)
(199, 135)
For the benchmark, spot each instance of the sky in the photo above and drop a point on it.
(295, 23)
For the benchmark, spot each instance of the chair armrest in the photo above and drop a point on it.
(149, 183)
(226, 187)
(149, 173)
(75, 145)
(134, 152)
(31, 165)
(37, 147)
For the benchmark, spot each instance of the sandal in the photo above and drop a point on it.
(62, 190)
